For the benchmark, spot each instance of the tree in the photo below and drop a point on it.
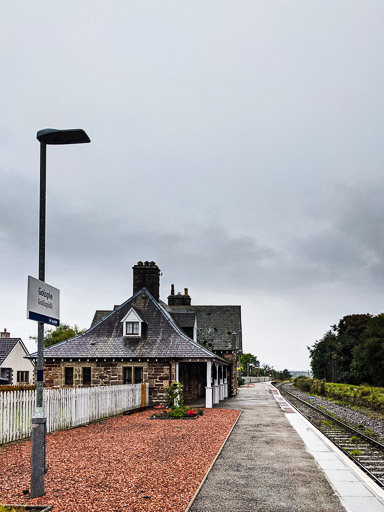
(61, 333)
(332, 356)
(324, 357)
(245, 359)
(266, 370)
(285, 375)
(368, 355)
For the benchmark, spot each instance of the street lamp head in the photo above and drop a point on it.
(51, 136)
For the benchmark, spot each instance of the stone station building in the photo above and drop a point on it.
(147, 340)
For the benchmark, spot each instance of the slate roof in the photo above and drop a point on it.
(218, 327)
(162, 338)
(99, 314)
(6, 347)
(184, 319)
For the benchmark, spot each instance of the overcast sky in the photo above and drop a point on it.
(239, 144)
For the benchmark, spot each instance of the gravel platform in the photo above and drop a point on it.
(125, 463)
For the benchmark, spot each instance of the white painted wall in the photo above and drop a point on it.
(16, 361)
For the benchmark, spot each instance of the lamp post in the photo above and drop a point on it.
(39, 420)
(249, 365)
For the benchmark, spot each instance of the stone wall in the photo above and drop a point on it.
(158, 378)
(157, 374)
(105, 373)
(232, 376)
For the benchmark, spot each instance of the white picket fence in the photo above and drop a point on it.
(65, 408)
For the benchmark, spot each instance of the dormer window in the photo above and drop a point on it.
(132, 328)
(132, 324)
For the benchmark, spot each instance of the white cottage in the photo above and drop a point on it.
(14, 368)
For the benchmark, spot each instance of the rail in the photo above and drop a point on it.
(365, 452)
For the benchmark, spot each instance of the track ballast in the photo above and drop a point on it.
(367, 453)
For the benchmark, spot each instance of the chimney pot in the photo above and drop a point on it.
(147, 275)
(179, 299)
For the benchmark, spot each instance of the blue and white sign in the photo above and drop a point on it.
(43, 303)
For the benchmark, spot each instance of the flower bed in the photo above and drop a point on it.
(177, 413)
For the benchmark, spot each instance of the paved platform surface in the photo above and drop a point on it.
(274, 461)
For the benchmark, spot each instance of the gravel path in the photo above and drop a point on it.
(125, 463)
(343, 411)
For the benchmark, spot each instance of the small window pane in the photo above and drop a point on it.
(138, 375)
(87, 376)
(127, 375)
(22, 376)
(69, 376)
(132, 328)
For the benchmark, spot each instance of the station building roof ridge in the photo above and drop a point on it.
(162, 337)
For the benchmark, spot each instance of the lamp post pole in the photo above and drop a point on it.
(39, 419)
(249, 365)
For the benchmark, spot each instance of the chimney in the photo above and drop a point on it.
(5, 334)
(147, 275)
(179, 300)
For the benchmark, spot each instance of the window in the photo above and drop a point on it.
(133, 324)
(69, 376)
(86, 376)
(22, 376)
(132, 375)
(127, 375)
(132, 328)
(138, 375)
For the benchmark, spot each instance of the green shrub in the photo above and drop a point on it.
(303, 383)
(365, 396)
(178, 412)
(175, 395)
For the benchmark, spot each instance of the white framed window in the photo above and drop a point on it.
(132, 328)
(132, 324)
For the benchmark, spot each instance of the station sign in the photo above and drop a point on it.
(43, 304)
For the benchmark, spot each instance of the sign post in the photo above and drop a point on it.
(43, 306)
(43, 303)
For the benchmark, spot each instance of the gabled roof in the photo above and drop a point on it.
(184, 319)
(162, 338)
(132, 311)
(6, 347)
(218, 327)
(99, 314)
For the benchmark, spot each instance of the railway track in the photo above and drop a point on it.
(367, 453)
